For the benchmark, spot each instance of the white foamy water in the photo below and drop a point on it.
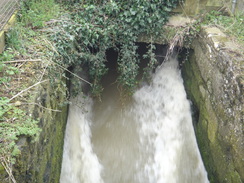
(149, 139)
(80, 164)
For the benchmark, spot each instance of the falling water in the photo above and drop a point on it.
(149, 139)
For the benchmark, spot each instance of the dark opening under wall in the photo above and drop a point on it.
(113, 54)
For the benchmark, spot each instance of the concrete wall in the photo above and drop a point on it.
(214, 81)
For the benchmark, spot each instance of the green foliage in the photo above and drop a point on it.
(34, 13)
(191, 32)
(22, 44)
(14, 122)
(13, 39)
(17, 38)
(6, 55)
(232, 25)
(92, 27)
(150, 54)
(6, 71)
(128, 66)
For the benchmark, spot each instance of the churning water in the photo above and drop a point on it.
(147, 140)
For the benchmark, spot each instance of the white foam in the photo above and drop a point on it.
(148, 140)
(80, 164)
(163, 112)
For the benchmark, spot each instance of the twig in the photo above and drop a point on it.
(48, 42)
(44, 71)
(5, 85)
(22, 63)
(54, 49)
(74, 74)
(27, 89)
(5, 163)
(52, 21)
(15, 61)
(39, 105)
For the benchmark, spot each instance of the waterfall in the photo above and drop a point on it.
(149, 139)
(80, 164)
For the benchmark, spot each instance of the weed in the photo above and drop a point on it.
(18, 70)
(14, 122)
(35, 13)
(6, 71)
(232, 25)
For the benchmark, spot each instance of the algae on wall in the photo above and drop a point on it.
(214, 82)
(40, 161)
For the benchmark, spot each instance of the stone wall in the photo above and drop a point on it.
(214, 82)
(40, 161)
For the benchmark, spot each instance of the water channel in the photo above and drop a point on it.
(147, 139)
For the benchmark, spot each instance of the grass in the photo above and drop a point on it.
(23, 64)
(231, 25)
(35, 13)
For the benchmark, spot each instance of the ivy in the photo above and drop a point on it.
(150, 54)
(14, 122)
(92, 27)
(128, 66)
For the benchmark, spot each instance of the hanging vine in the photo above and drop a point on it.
(94, 26)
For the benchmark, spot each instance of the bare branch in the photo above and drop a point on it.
(7, 166)
(27, 89)
(74, 74)
(54, 49)
(16, 61)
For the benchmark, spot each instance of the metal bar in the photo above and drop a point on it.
(7, 8)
